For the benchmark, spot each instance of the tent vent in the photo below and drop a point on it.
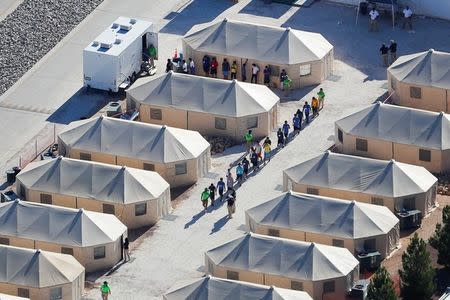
(133, 21)
(125, 27)
(95, 44)
(114, 25)
(117, 41)
(105, 45)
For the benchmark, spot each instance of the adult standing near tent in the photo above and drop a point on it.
(239, 173)
(282, 77)
(212, 193)
(393, 51)
(321, 96)
(299, 114)
(407, 17)
(245, 164)
(221, 187)
(255, 71)
(126, 249)
(287, 82)
(248, 137)
(306, 111)
(214, 65)
(230, 181)
(266, 72)
(225, 68)
(296, 124)
(152, 54)
(105, 290)
(267, 150)
(185, 67)
(231, 204)
(206, 65)
(244, 71)
(373, 15)
(315, 106)
(204, 197)
(233, 70)
(384, 55)
(254, 158)
(169, 65)
(191, 66)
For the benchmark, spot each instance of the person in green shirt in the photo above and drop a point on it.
(287, 82)
(248, 137)
(204, 198)
(321, 96)
(152, 54)
(106, 290)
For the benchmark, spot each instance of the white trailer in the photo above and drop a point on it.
(115, 56)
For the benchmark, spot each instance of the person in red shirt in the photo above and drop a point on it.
(214, 65)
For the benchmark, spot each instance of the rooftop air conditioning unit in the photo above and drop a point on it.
(95, 44)
(125, 27)
(133, 21)
(105, 45)
(114, 25)
(117, 41)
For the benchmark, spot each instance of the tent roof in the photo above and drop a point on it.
(10, 297)
(204, 94)
(429, 68)
(60, 225)
(360, 174)
(212, 288)
(283, 257)
(36, 268)
(155, 143)
(284, 46)
(329, 216)
(400, 125)
(93, 180)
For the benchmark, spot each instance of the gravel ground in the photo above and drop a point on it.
(32, 30)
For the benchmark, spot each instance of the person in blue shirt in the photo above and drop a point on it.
(239, 172)
(286, 128)
(220, 187)
(296, 124)
(306, 111)
(245, 165)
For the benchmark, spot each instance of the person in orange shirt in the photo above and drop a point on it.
(315, 106)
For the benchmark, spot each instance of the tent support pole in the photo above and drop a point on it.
(393, 14)
(393, 150)
(446, 101)
(357, 11)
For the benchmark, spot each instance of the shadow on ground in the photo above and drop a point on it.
(260, 9)
(193, 13)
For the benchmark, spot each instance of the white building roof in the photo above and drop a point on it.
(283, 257)
(364, 175)
(60, 225)
(204, 94)
(323, 215)
(118, 36)
(279, 45)
(36, 268)
(148, 142)
(400, 125)
(10, 297)
(212, 288)
(429, 68)
(92, 180)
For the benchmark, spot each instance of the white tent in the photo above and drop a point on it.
(60, 225)
(329, 216)
(276, 256)
(203, 94)
(134, 139)
(37, 269)
(212, 288)
(92, 180)
(429, 68)
(363, 175)
(278, 45)
(10, 297)
(400, 125)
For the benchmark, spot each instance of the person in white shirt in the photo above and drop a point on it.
(191, 66)
(185, 66)
(255, 71)
(373, 14)
(407, 17)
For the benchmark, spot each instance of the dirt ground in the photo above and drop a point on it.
(394, 263)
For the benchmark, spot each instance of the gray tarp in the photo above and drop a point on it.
(430, 68)
(360, 174)
(282, 257)
(212, 288)
(283, 46)
(400, 125)
(92, 180)
(203, 94)
(60, 225)
(142, 141)
(323, 215)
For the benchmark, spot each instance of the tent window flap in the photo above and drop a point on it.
(273, 232)
(312, 191)
(252, 122)
(4, 241)
(415, 92)
(180, 169)
(424, 155)
(149, 167)
(305, 70)
(108, 209)
(221, 123)
(85, 156)
(25, 293)
(99, 252)
(56, 293)
(67, 250)
(338, 243)
(155, 114)
(328, 287)
(140, 209)
(296, 285)
(232, 275)
(46, 198)
(361, 145)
